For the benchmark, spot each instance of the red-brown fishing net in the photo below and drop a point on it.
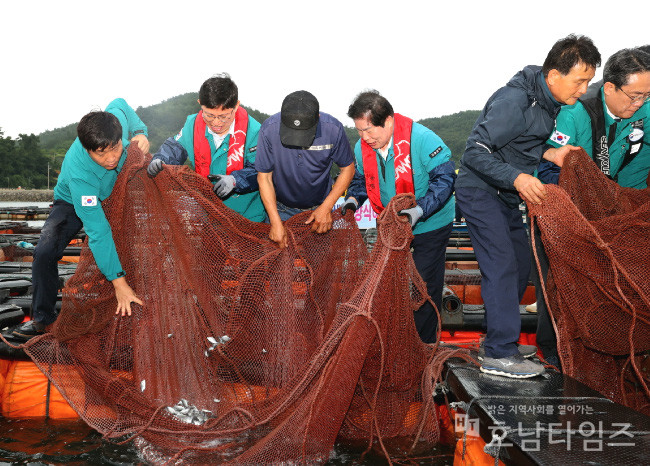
(15, 253)
(597, 237)
(243, 352)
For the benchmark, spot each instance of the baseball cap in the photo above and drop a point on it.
(299, 119)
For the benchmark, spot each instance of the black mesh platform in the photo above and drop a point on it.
(547, 420)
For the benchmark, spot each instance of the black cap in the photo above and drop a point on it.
(299, 117)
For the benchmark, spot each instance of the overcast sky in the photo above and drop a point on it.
(429, 58)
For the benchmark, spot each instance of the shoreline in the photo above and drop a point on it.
(26, 195)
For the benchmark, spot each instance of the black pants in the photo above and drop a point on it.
(502, 250)
(60, 227)
(546, 338)
(429, 256)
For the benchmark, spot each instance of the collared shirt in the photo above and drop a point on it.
(573, 126)
(301, 176)
(85, 184)
(218, 138)
(384, 152)
(245, 198)
(611, 115)
(428, 153)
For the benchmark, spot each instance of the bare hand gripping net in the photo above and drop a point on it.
(243, 352)
(597, 238)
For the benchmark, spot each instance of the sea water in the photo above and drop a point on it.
(49, 442)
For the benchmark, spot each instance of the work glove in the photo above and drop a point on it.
(155, 167)
(224, 185)
(350, 203)
(413, 214)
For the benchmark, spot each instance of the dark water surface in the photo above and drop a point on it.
(48, 442)
(39, 441)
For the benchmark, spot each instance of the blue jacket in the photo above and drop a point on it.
(245, 199)
(509, 136)
(433, 178)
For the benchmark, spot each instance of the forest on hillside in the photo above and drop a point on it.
(24, 161)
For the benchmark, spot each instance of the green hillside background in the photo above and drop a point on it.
(24, 161)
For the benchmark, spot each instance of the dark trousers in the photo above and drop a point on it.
(502, 250)
(429, 256)
(546, 339)
(60, 227)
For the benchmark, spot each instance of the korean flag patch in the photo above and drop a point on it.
(88, 201)
(560, 138)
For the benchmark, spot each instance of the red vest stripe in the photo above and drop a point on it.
(402, 159)
(203, 153)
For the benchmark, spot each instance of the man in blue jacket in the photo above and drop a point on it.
(220, 142)
(88, 174)
(503, 151)
(296, 150)
(395, 155)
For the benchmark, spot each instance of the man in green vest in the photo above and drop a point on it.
(395, 155)
(220, 142)
(612, 127)
(88, 174)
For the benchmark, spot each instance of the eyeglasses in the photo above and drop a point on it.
(638, 98)
(222, 118)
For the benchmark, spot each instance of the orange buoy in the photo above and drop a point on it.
(447, 428)
(28, 393)
(474, 454)
(4, 368)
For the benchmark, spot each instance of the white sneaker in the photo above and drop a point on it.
(531, 308)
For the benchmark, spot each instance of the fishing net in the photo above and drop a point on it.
(15, 253)
(243, 352)
(597, 238)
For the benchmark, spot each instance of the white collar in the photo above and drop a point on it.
(384, 152)
(219, 138)
(614, 117)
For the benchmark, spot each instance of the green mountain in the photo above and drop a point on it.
(32, 154)
(453, 129)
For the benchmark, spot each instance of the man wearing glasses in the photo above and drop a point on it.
(612, 128)
(612, 125)
(220, 142)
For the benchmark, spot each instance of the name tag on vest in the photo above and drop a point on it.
(325, 147)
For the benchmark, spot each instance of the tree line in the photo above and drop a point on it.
(24, 164)
(24, 161)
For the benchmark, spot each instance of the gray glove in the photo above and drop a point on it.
(224, 185)
(155, 167)
(350, 203)
(413, 214)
